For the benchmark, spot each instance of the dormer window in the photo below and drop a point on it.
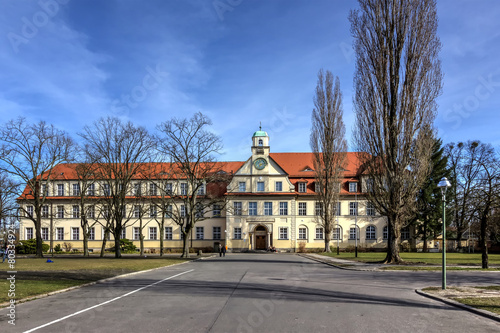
(261, 143)
(302, 187)
(353, 187)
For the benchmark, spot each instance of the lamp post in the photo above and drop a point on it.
(356, 223)
(443, 185)
(337, 231)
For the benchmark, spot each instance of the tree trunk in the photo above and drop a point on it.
(103, 247)
(424, 249)
(394, 230)
(459, 239)
(327, 242)
(185, 250)
(162, 236)
(118, 250)
(38, 236)
(85, 243)
(141, 243)
(484, 242)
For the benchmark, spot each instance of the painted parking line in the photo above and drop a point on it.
(104, 303)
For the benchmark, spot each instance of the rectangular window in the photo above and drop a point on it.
(278, 186)
(137, 189)
(168, 188)
(353, 233)
(76, 211)
(153, 233)
(168, 233)
(201, 190)
(60, 190)
(302, 208)
(319, 233)
(385, 233)
(336, 233)
(168, 213)
(183, 211)
(106, 190)
(283, 233)
(237, 233)
(319, 209)
(91, 233)
(91, 190)
(184, 187)
(45, 234)
(260, 186)
(200, 233)
(252, 208)
(152, 211)
(369, 185)
(370, 209)
(91, 212)
(216, 233)
(137, 211)
(76, 190)
(137, 233)
(59, 233)
(153, 189)
(242, 187)
(353, 208)
(123, 233)
(268, 208)
(302, 233)
(29, 210)
(29, 233)
(75, 233)
(45, 211)
(338, 211)
(60, 212)
(45, 190)
(302, 187)
(370, 232)
(317, 187)
(237, 208)
(216, 211)
(283, 208)
(353, 187)
(199, 210)
(405, 233)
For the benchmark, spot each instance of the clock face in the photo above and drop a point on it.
(260, 163)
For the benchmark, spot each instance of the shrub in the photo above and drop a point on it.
(302, 247)
(57, 248)
(126, 246)
(29, 247)
(67, 246)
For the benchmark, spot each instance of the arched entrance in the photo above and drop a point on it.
(260, 238)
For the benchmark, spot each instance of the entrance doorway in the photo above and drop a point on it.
(260, 238)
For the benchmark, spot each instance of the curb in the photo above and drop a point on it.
(451, 302)
(3, 305)
(329, 263)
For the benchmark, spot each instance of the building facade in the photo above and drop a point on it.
(270, 202)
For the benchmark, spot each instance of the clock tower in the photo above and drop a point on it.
(260, 149)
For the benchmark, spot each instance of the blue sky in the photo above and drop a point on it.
(240, 62)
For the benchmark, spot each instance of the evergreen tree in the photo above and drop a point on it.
(429, 199)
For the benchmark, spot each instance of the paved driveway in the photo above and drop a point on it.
(254, 293)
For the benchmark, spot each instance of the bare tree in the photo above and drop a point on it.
(397, 80)
(8, 206)
(121, 150)
(197, 177)
(29, 152)
(329, 147)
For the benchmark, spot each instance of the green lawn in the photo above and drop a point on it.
(36, 276)
(491, 304)
(422, 258)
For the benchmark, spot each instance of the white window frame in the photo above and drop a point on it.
(320, 233)
(237, 233)
(29, 210)
(153, 211)
(76, 190)
(268, 208)
(29, 233)
(183, 211)
(370, 209)
(385, 233)
(302, 187)
(283, 233)
(261, 186)
(123, 233)
(153, 189)
(302, 208)
(153, 233)
(106, 190)
(302, 233)
(168, 233)
(76, 211)
(60, 233)
(337, 233)
(45, 211)
(200, 233)
(216, 232)
(184, 188)
(75, 233)
(278, 187)
(318, 208)
(371, 232)
(45, 233)
(238, 208)
(252, 208)
(242, 187)
(351, 236)
(137, 211)
(91, 190)
(60, 190)
(137, 233)
(216, 210)
(283, 208)
(353, 208)
(353, 187)
(91, 233)
(60, 211)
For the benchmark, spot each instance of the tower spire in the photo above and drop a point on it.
(260, 126)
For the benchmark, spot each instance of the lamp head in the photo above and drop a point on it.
(444, 184)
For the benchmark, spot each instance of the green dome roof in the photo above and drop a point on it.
(260, 133)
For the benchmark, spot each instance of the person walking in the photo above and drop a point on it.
(220, 250)
(3, 252)
(224, 251)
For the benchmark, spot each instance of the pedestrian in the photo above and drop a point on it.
(224, 248)
(220, 250)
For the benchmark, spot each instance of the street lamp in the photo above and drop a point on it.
(443, 185)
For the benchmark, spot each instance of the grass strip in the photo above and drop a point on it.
(491, 304)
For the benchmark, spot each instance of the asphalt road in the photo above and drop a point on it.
(255, 293)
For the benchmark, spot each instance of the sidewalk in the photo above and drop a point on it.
(343, 263)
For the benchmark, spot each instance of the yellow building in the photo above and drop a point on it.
(271, 202)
